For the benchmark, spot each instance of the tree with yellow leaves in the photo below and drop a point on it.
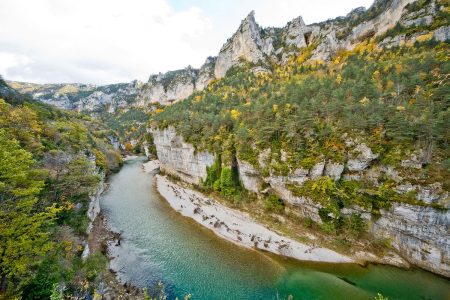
(23, 238)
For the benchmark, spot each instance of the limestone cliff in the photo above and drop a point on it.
(205, 74)
(245, 44)
(418, 232)
(169, 87)
(261, 46)
(179, 158)
(175, 85)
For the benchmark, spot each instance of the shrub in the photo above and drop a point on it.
(354, 225)
(94, 265)
(227, 186)
(274, 203)
(216, 185)
(213, 174)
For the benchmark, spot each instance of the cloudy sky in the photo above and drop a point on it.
(109, 41)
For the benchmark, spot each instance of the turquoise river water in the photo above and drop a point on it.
(159, 245)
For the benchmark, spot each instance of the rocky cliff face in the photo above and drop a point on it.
(169, 87)
(419, 233)
(205, 74)
(176, 85)
(82, 97)
(179, 158)
(263, 46)
(379, 24)
(245, 44)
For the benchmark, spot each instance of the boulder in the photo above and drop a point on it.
(363, 157)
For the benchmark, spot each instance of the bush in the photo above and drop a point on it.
(354, 225)
(227, 186)
(94, 265)
(100, 160)
(274, 203)
(308, 222)
(216, 185)
(48, 274)
(213, 174)
(328, 227)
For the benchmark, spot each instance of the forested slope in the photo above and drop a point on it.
(51, 161)
(396, 101)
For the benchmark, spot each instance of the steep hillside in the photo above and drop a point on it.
(52, 169)
(349, 133)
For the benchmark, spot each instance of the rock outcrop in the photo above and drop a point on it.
(297, 33)
(93, 208)
(250, 178)
(169, 87)
(380, 23)
(419, 233)
(205, 74)
(179, 158)
(246, 44)
(442, 34)
(363, 156)
(176, 85)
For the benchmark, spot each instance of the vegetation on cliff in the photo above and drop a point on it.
(129, 126)
(393, 100)
(388, 97)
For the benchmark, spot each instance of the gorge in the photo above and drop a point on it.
(305, 161)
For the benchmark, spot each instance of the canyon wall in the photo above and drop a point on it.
(419, 233)
(179, 158)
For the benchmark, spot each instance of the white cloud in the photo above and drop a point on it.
(96, 41)
(106, 41)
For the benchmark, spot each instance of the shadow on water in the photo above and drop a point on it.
(158, 244)
(346, 280)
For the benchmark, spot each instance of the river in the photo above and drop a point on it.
(158, 244)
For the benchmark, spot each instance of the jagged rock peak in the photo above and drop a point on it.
(249, 23)
(245, 44)
(297, 33)
(297, 22)
(249, 19)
